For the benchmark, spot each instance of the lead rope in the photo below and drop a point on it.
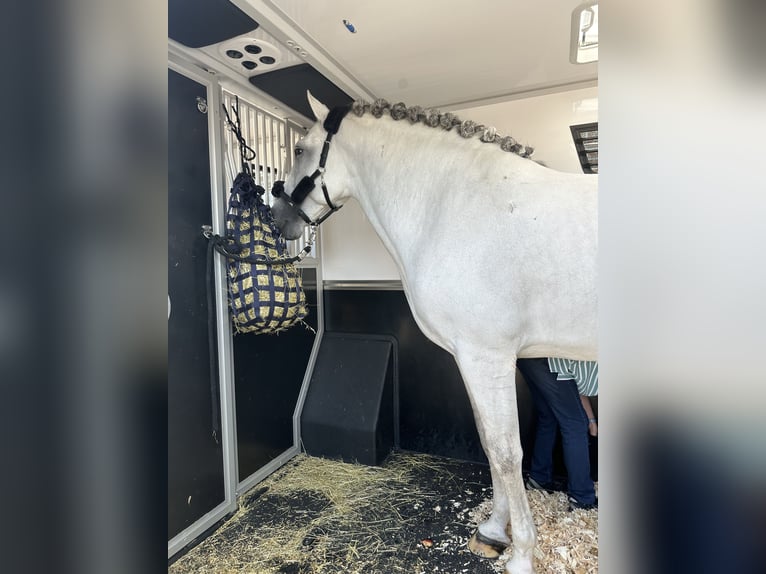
(246, 153)
(211, 339)
(220, 244)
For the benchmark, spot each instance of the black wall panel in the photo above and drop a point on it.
(197, 23)
(289, 85)
(195, 459)
(269, 371)
(434, 411)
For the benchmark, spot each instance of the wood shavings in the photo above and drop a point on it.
(567, 542)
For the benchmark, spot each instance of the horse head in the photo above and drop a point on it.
(305, 197)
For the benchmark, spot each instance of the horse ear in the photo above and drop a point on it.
(319, 109)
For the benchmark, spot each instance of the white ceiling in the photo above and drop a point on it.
(444, 52)
(451, 54)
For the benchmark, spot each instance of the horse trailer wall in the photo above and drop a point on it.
(196, 482)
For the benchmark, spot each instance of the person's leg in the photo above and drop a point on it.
(535, 371)
(564, 401)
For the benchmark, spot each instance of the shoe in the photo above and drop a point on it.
(531, 484)
(575, 505)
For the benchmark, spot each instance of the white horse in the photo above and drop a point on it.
(497, 256)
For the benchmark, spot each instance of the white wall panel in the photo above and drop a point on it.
(542, 122)
(352, 251)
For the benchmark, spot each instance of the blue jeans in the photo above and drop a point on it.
(558, 406)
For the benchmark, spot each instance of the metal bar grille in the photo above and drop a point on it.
(585, 138)
(273, 140)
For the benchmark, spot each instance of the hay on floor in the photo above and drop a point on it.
(317, 516)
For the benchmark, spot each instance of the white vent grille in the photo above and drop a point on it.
(273, 140)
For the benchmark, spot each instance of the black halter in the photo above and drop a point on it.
(306, 185)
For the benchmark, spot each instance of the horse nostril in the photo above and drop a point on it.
(278, 188)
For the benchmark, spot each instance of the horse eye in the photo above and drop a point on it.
(298, 151)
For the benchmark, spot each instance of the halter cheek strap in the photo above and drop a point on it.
(307, 184)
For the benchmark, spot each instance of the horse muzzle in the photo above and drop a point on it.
(278, 191)
(290, 225)
(300, 193)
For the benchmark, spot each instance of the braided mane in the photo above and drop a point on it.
(446, 121)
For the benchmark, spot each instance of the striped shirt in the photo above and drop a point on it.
(585, 374)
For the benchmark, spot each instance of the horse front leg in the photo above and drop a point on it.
(490, 378)
(492, 536)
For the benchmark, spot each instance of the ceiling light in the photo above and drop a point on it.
(584, 39)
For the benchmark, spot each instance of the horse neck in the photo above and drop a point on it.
(401, 178)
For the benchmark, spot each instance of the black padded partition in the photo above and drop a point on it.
(434, 410)
(197, 23)
(349, 411)
(289, 86)
(195, 459)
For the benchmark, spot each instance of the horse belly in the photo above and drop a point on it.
(551, 312)
(451, 320)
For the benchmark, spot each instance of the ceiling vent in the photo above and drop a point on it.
(247, 54)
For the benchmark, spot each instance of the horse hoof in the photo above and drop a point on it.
(485, 547)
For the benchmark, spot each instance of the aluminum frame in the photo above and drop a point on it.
(365, 285)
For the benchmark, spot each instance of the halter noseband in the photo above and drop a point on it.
(306, 185)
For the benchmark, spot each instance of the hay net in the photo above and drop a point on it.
(265, 290)
(264, 286)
